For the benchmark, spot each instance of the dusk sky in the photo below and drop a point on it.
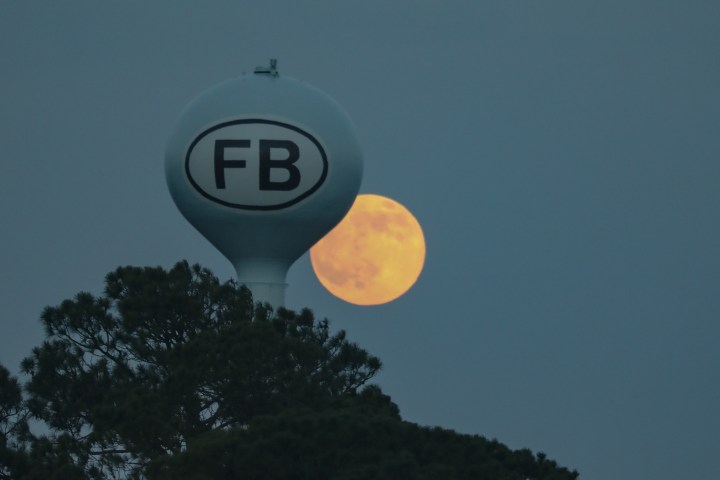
(563, 158)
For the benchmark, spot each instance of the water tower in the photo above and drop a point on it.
(263, 166)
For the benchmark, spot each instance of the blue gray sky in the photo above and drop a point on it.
(562, 157)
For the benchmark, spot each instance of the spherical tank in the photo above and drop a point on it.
(263, 166)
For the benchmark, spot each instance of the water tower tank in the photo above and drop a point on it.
(263, 166)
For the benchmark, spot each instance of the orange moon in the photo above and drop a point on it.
(374, 255)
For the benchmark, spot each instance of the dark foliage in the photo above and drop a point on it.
(359, 438)
(13, 424)
(173, 374)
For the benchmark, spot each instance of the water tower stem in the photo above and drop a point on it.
(265, 277)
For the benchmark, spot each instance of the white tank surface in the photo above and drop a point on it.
(263, 166)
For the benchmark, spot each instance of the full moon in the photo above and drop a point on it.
(374, 255)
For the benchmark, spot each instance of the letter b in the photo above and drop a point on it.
(267, 164)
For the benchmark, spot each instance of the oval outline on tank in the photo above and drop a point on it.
(276, 123)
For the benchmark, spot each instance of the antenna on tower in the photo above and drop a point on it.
(271, 70)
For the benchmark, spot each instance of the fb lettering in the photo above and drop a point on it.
(256, 164)
(274, 155)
